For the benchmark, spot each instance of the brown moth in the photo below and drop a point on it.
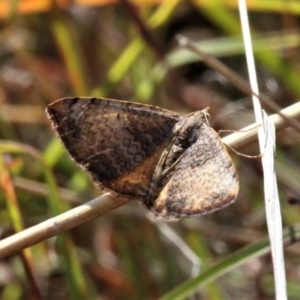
(177, 166)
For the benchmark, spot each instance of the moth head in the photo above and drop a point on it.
(205, 115)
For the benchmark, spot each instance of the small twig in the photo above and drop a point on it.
(108, 202)
(236, 79)
(247, 135)
(182, 246)
(143, 28)
(60, 223)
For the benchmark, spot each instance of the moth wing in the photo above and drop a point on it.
(204, 180)
(117, 142)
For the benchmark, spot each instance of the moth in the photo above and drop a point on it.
(177, 166)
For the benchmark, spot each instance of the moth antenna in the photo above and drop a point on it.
(244, 155)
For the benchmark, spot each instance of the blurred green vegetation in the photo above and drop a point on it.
(101, 51)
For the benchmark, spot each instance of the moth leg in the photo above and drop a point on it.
(170, 169)
(159, 170)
